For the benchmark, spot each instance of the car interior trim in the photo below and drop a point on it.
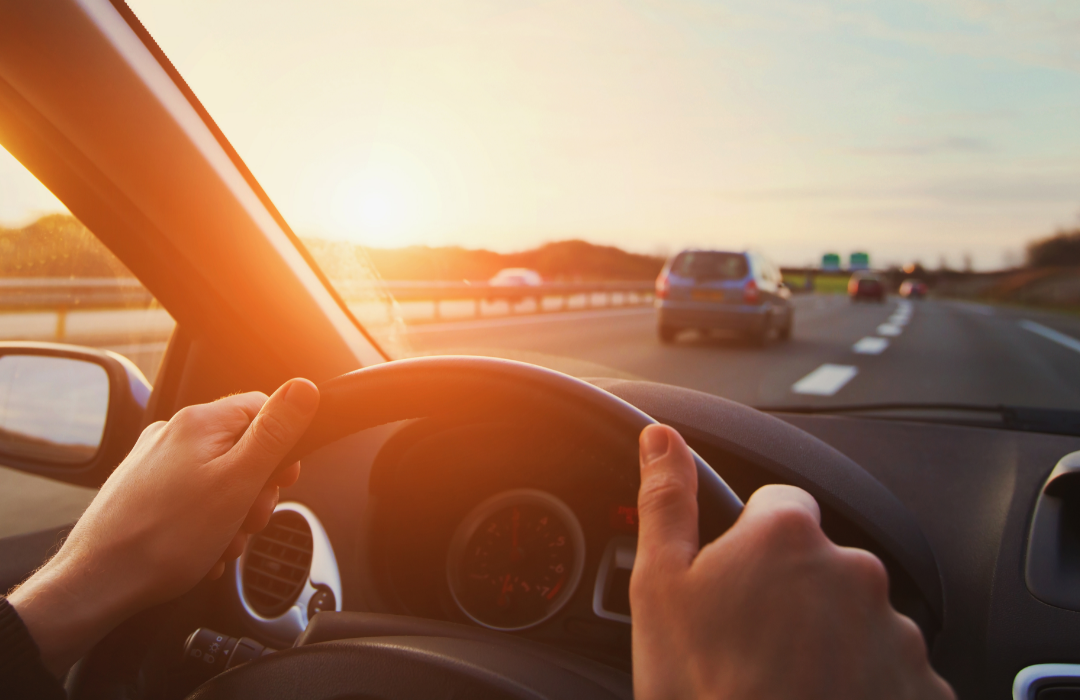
(128, 43)
(618, 555)
(159, 55)
(323, 572)
(1032, 680)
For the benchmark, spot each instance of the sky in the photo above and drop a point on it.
(929, 131)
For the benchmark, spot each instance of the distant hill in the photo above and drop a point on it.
(562, 260)
(58, 245)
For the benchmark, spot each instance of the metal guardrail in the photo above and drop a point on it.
(627, 293)
(63, 295)
(52, 293)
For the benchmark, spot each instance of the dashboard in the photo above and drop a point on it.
(422, 515)
(525, 528)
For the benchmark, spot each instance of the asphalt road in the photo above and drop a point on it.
(935, 351)
(840, 353)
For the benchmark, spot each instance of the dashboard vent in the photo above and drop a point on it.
(277, 564)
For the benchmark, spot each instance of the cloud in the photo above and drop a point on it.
(949, 144)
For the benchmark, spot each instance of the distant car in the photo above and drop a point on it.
(719, 290)
(913, 289)
(516, 277)
(866, 285)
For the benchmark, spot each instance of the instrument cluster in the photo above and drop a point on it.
(519, 528)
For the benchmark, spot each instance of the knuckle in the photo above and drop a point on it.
(270, 433)
(868, 573)
(151, 430)
(190, 418)
(661, 493)
(941, 689)
(791, 528)
(912, 647)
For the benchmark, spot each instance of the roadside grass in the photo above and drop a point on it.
(823, 283)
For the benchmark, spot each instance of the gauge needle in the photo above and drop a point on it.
(506, 587)
(555, 590)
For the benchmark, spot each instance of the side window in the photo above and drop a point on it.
(58, 283)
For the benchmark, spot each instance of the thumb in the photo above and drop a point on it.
(277, 427)
(667, 502)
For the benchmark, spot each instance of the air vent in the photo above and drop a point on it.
(277, 564)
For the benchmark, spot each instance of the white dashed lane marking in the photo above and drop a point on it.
(870, 345)
(826, 380)
(1050, 334)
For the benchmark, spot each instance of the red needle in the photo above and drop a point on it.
(506, 587)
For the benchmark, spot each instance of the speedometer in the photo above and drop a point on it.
(516, 559)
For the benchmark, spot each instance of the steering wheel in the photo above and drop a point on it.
(408, 657)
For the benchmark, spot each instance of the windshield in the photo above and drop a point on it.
(710, 266)
(585, 145)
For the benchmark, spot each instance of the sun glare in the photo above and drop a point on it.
(387, 204)
(375, 211)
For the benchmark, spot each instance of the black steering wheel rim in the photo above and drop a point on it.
(426, 387)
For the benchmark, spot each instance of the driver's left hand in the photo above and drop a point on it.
(177, 509)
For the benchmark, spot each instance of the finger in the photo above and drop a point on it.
(215, 571)
(261, 510)
(769, 501)
(152, 429)
(667, 501)
(276, 428)
(236, 412)
(236, 547)
(249, 402)
(287, 476)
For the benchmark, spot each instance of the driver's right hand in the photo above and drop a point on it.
(771, 609)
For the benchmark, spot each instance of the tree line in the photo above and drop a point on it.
(58, 245)
(1059, 250)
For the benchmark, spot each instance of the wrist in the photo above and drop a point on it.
(67, 609)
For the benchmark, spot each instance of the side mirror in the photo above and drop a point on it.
(68, 412)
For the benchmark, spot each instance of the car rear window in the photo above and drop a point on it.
(711, 266)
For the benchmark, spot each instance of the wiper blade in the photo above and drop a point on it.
(1023, 418)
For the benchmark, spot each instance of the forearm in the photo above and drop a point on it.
(67, 609)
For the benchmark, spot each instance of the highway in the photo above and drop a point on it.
(935, 351)
(925, 351)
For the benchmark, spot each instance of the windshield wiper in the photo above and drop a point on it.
(1024, 418)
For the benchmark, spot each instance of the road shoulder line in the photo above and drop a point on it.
(1050, 334)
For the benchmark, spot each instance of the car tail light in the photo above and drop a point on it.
(662, 286)
(750, 293)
